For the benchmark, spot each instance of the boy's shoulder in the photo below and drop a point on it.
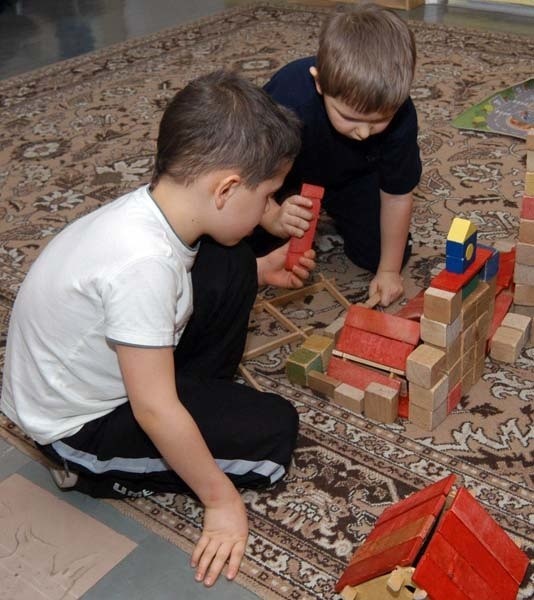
(293, 84)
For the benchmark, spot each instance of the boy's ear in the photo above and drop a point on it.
(225, 187)
(315, 74)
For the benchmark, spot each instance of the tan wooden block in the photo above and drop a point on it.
(528, 311)
(322, 383)
(482, 325)
(524, 294)
(505, 345)
(455, 374)
(439, 334)
(468, 337)
(441, 305)
(334, 329)
(425, 365)
(381, 403)
(453, 352)
(467, 381)
(480, 367)
(504, 245)
(526, 231)
(524, 274)
(427, 419)
(524, 254)
(529, 183)
(484, 294)
(530, 140)
(349, 397)
(430, 398)
(468, 360)
(468, 313)
(520, 322)
(481, 349)
(530, 160)
(322, 344)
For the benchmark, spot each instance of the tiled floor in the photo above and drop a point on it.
(34, 33)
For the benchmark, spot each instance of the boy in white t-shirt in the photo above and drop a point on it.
(129, 327)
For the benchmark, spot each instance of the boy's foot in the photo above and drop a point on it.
(65, 480)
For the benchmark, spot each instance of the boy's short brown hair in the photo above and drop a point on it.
(366, 59)
(222, 121)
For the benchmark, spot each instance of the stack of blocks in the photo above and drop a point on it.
(457, 312)
(524, 267)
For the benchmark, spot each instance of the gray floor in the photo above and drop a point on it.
(34, 33)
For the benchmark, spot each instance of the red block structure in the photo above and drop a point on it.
(297, 246)
(357, 375)
(454, 282)
(384, 324)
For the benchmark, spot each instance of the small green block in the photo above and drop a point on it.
(300, 363)
(322, 344)
(470, 287)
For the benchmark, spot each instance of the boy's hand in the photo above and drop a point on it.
(223, 539)
(271, 269)
(389, 285)
(293, 217)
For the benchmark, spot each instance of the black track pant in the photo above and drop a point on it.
(251, 434)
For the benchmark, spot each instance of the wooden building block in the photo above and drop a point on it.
(528, 311)
(520, 322)
(300, 363)
(381, 403)
(455, 374)
(503, 301)
(505, 345)
(334, 329)
(527, 207)
(427, 419)
(524, 294)
(453, 352)
(468, 360)
(384, 324)
(482, 325)
(430, 399)
(453, 282)
(350, 397)
(530, 140)
(526, 231)
(358, 375)
(439, 334)
(491, 268)
(460, 247)
(441, 305)
(523, 274)
(530, 160)
(467, 381)
(453, 397)
(529, 183)
(322, 344)
(468, 337)
(375, 348)
(322, 383)
(297, 246)
(468, 313)
(425, 365)
(524, 254)
(480, 367)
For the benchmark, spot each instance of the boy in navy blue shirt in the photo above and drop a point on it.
(359, 141)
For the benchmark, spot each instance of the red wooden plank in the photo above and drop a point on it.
(312, 191)
(381, 323)
(375, 566)
(505, 274)
(454, 282)
(527, 208)
(454, 397)
(503, 301)
(459, 571)
(414, 308)
(429, 573)
(373, 347)
(467, 544)
(357, 375)
(404, 404)
(490, 534)
(440, 488)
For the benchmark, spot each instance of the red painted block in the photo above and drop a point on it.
(373, 347)
(454, 282)
(527, 208)
(454, 397)
(414, 308)
(297, 246)
(490, 534)
(429, 571)
(457, 569)
(434, 492)
(404, 403)
(505, 274)
(503, 301)
(357, 375)
(381, 323)
(467, 544)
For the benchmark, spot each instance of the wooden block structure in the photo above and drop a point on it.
(524, 267)
(460, 248)
(442, 540)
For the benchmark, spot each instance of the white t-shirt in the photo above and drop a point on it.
(119, 274)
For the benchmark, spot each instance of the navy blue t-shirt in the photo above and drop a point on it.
(335, 161)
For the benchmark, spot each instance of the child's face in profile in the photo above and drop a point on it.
(353, 124)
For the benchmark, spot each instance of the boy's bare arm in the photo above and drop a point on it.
(291, 218)
(149, 378)
(395, 218)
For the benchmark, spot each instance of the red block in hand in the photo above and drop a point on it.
(297, 246)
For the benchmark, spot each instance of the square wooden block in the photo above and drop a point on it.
(322, 383)
(322, 344)
(381, 403)
(441, 305)
(300, 363)
(439, 334)
(427, 419)
(524, 294)
(334, 329)
(526, 231)
(505, 345)
(349, 397)
(520, 322)
(430, 398)
(425, 365)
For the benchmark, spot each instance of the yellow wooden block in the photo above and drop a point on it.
(322, 344)
(529, 184)
(460, 230)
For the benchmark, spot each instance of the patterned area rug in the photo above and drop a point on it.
(77, 134)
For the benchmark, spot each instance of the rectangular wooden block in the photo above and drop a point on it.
(526, 231)
(468, 313)
(439, 334)
(350, 397)
(530, 160)
(529, 184)
(322, 344)
(455, 282)
(453, 352)
(479, 369)
(503, 301)
(528, 311)
(441, 305)
(455, 374)
(426, 419)
(505, 345)
(527, 207)
(524, 274)
(431, 398)
(482, 325)
(300, 363)
(467, 381)
(381, 403)
(322, 383)
(334, 329)
(468, 337)
(524, 294)
(524, 254)
(384, 324)
(520, 322)
(425, 365)
(453, 397)
(357, 375)
(468, 360)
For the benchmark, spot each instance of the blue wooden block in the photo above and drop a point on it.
(455, 249)
(455, 265)
(491, 268)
